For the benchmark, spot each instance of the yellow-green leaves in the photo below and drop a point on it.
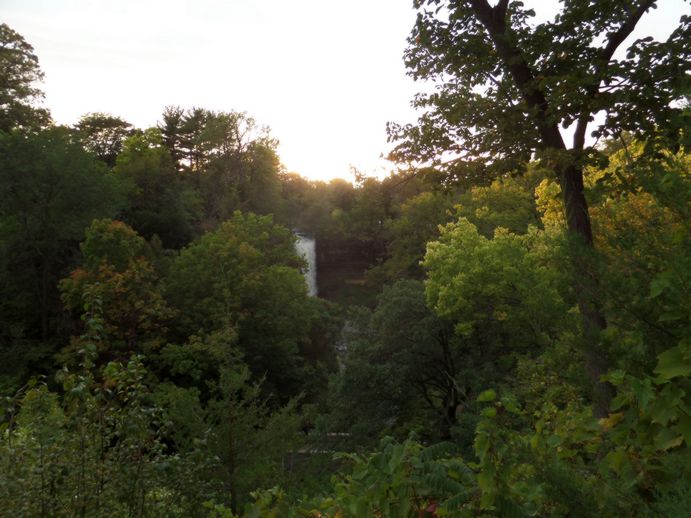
(487, 396)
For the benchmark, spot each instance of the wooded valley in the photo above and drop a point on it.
(501, 327)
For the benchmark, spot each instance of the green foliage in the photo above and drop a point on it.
(250, 438)
(499, 291)
(50, 190)
(646, 248)
(159, 202)
(113, 243)
(523, 84)
(244, 276)
(117, 272)
(227, 157)
(18, 90)
(508, 203)
(370, 210)
(232, 420)
(369, 399)
(103, 135)
(317, 208)
(505, 82)
(564, 462)
(205, 280)
(401, 479)
(195, 370)
(407, 233)
(96, 447)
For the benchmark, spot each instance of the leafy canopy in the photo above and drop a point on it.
(504, 84)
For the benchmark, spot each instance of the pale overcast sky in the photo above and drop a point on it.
(325, 75)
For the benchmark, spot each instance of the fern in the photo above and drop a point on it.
(442, 450)
(507, 508)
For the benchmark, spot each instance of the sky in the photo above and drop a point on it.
(324, 75)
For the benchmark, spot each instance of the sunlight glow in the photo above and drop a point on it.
(325, 76)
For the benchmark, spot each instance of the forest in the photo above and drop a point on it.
(502, 326)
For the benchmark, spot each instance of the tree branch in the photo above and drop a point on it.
(617, 38)
(494, 21)
(426, 396)
(614, 40)
(501, 8)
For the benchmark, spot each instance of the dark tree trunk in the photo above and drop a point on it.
(570, 174)
(452, 407)
(575, 204)
(232, 460)
(45, 289)
(585, 284)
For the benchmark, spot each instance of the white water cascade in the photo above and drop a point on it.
(306, 247)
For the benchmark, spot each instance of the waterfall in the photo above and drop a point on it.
(306, 248)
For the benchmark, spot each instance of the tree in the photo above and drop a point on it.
(229, 159)
(159, 202)
(96, 447)
(507, 87)
(416, 222)
(506, 202)
(171, 131)
(116, 269)
(103, 135)
(371, 207)
(431, 359)
(50, 190)
(260, 187)
(19, 73)
(244, 277)
(251, 439)
(504, 295)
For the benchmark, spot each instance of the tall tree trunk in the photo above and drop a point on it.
(45, 287)
(232, 459)
(451, 402)
(585, 284)
(570, 173)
